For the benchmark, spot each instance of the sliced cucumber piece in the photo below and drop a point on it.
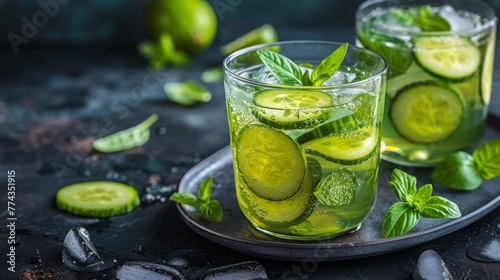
(427, 112)
(270, 162)
(487, 71)
(97, 199)
(332, 128)
(451, 58)
(292, 109)
(349, 150)
(286, 212)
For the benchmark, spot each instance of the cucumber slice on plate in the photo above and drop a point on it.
(427, 112)
(292, 109)
(97, 199)
(450, 58)
(270, 162)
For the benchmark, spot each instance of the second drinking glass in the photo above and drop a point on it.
(440, 56)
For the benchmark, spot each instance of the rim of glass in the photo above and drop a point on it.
(227, 70)
(476, 29)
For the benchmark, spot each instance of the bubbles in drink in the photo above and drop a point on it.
(80, 254)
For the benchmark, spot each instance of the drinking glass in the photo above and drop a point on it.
(440, 55)
(305, 157)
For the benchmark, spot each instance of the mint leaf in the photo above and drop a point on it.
(399, 219)
(427, 21)
(458, 171)
(284, 69)
(402, 184)
(337, 189)
(440, 207)
(421, 17)
(487, 159)
(329, 65)
(306, 79)
(211, 211)
(421, 197)
(205, 190)
(133, 137)
(399, 60)
(187, 93)
(404, 215)
(185, 198)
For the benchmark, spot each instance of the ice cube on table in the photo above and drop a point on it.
(80, 254)
(430, 265)
(485, 251)
(187, 258)
(244, 270)
(137, 270)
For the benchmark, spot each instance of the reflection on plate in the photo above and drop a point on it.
(236, 233)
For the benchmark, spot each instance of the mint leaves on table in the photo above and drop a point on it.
(209, 209)
(463, 171)
(414, 203)
(289, 73)
(126, 139)
(162, 52)
(187, 93)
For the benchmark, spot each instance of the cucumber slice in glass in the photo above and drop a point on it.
(450, 58)
(345, 149)
(292, 109)
(427, 112)
(487, 71)
(290, 211)
(270, 162)
(97, 199)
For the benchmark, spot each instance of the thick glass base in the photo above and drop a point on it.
(309, 237)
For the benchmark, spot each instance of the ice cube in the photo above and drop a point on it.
(263, 75)
(80, 254)
(340, 78)
(389, 21)
(137, 270)
(185, 258)
(245, 270)
(431, 266)
(485, 251)
(457, 21)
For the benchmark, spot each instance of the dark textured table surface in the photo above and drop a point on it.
(55, 101)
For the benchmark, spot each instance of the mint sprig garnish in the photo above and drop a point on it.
(463, 171)
(422, 17)
(414, 204)
(209, 209)
(289, 73)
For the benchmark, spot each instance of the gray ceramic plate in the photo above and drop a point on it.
(236, 233)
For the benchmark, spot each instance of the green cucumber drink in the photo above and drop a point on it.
(305, 155)
(440, 56)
